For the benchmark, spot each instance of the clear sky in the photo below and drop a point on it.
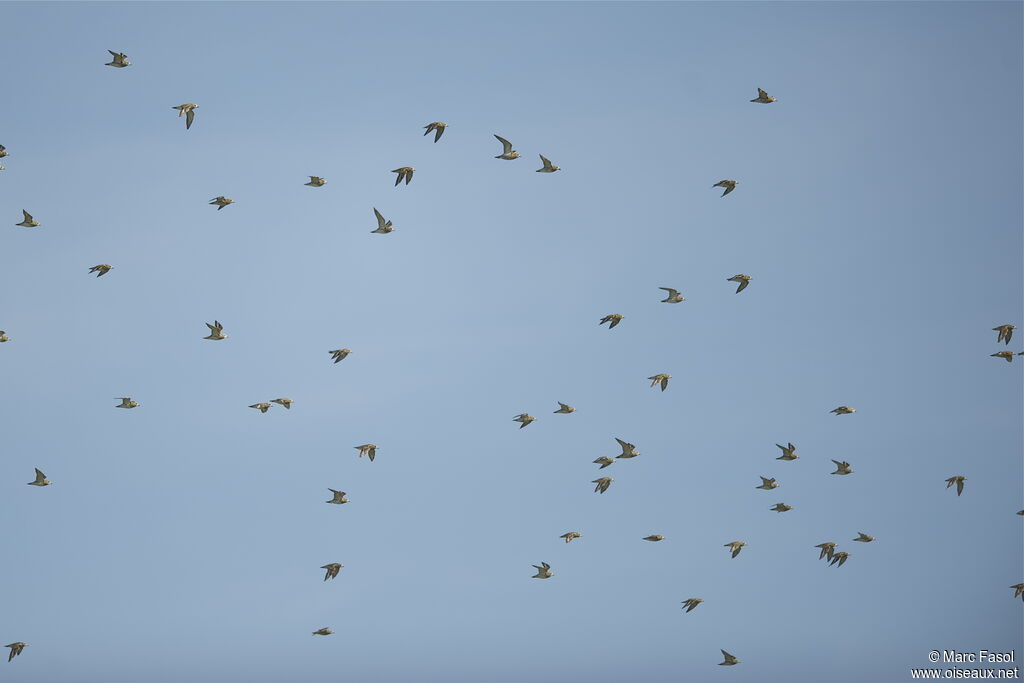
(878, 211)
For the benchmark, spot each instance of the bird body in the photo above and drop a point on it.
(127, 402)
(332, 570)
(438, 128)
(28, 221)
(383, 227)
(101, 270)
(863, 537)
(547, 167)
(404, 173)
(827, 550)
(628, 449)
(729, 185)
(959, 481)
(729, 659)
(507, 152)
(120, 60)
(1005, 332)
(614, 319)
(323, 632)
(543, 571)
(840, 557)
(338, 499)
(768, 484)
(781, 507)
(221, 201)
(367, 449)
(40, 479)
(843, 410)
(602, 484)
(742, 279)
(674, 297)
(1005, 355)
(564, 409)
(571, 535)
(788, 452)
(691, 603)
(189, 111)
(662, 379)
(736, 547)
(842, 467)
(216, 331)
(316, 181)
(654, 538)
(603, 461)
(763, 97)
(339, 354)
(286, 402)
(16, 649)
(262, 407)
(524, 419)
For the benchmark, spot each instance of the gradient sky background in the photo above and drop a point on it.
(878, 211)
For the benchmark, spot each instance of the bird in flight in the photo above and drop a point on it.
(507, 152)
(339, 497)
(564, 409)
(332, 569)
(842, 467)
(1005, 355)
(4, 337)
(1005, 332)
(843, 410)
(827, 550)
(781, 507)
(662, 378)
(438, 128)
(742, 279)
(729, 185)
(654, 538)
(628, 449)
(40, 479)
(959, 481)
(127, 402)
(571, 535)
(383, 227)
(216, 331)
(524, 418)
(323, 632)
(28, 221)
(691, 603)
(262, 407)
(729, 659)
(763, 97)
(367, 449)
(603, 461)
(768, 484)
(16, 649)
(120, 60)
(736, 546)
(547, 167)
(286, 402)
(339, 354)
(863, 537)
(788, 452)
(316, 181)
(602, 484)
(221, 202)
(840, 558)
(405, 173)
(3, 151)
(543, 571)
(673, 297)
(614, 319)
(189, 110)
(1018, 592)
(101, 269)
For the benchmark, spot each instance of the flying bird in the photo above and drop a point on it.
(543, 571)
(863, 537)
(768, 484)
(368, 449)
(662, 378)
(221, 202)
(216, 331)
(547, 168)
(571, 535)
(189, 111)
(673, 297)
(729, 185)
(507, 152)
(602, 484)
(654, 538)
(286, 402)
(339, 497)
(788, 452)
(827, 550)
(742, 279)
(1005, 355)
(781, 507)
(1005, 332)
(120, 60)
(438, 128)
(332, 569)
(28, 221)
(564, 409)
(840, 558)
(1018, 592)
(729, 659)
(262, 407)
(383, 227)
(405, 173)
(127, 402)
(4, 337)
(842, 467)
(16, 649)
(524, 418)
(614, 319)
(102, 269)
(959, 481)
(628, 449)
(763, 97)
(323, 632)
(40, 479)
(691, 603)
(843, 410)
(3, 151)
(339, 354)
(316, 181)
(603, 461)
(736, 546)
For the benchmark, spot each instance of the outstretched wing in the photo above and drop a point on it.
(188, 118)
(505, 143)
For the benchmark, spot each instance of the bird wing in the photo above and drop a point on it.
(959, 486)
(505, 143)
(545, 161)
(28, 216)
(380, 218)
(743, 285)
(439, 131)
(761, 93)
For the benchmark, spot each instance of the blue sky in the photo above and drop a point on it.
(878, 211)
